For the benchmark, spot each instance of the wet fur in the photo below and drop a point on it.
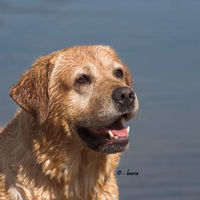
(41, 156)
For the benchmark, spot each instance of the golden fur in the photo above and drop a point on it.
(45, 151)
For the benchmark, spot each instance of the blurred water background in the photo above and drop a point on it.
(160, 42)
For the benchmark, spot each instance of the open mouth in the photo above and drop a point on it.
(110, 139)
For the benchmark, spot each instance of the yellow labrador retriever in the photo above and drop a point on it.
(66, 140)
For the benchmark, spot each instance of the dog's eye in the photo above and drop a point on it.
(83, 79)
(119, 73)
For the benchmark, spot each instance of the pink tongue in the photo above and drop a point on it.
(120, 133)
(118, 129)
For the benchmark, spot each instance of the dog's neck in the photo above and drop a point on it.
(65, 165)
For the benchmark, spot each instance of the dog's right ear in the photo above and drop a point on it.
(128, 77)
(31, 92)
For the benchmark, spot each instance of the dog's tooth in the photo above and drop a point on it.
(128, 129)
(116, 137)
(111, 134)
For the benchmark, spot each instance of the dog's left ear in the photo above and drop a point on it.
(128, 78)
(31, 92)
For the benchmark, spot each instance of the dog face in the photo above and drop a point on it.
(87, 90)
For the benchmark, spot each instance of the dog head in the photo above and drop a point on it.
(85, 89)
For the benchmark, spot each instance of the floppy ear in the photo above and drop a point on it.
(31, 92)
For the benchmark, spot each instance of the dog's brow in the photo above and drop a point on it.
(89, 69)
(116, 65)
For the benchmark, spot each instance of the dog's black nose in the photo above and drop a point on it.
(124, 96)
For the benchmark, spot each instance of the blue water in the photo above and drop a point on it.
(160, 42)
